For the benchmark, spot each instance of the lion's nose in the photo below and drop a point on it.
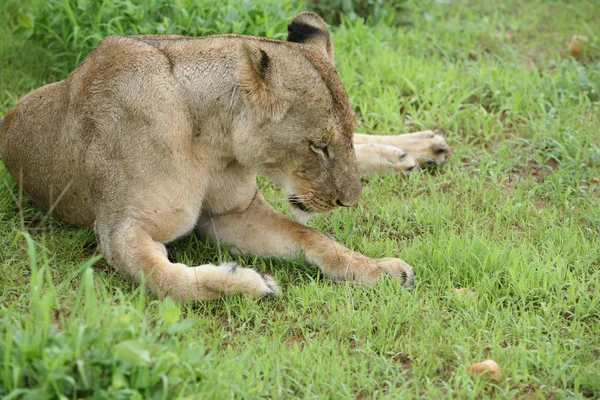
(350, 196)
(346, 190)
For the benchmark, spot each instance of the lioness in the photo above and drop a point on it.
(151, 136)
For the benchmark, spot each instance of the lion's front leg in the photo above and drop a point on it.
(425, 147)
(130, 249)
(262, 230)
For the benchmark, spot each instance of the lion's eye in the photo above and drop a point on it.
(320, 147)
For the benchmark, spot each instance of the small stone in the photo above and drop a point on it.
(577, 45)
(488, 367)
(464, 292)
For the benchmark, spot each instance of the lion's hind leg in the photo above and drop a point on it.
(131, 250)
(426, 147)
(373, 158)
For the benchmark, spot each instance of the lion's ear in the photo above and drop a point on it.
(310, 29)
(256, 79)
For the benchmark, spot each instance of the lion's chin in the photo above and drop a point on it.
(301, 212)
(303, 217)
(297, 203)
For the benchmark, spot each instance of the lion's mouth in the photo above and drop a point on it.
(297, 203)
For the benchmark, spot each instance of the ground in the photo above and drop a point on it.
(514, 217)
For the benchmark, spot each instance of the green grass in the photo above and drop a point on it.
(514, 216)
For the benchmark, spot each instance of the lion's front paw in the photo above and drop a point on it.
(209, 281)
(370, 271)
(397, 269)
(426, 147)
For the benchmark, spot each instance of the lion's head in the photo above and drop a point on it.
(302, 121)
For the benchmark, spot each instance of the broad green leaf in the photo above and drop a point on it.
(25, 20)
(133, 352)
(182, 326)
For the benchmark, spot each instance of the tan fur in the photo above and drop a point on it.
(375, 158)
(399, 153)
(152, 135)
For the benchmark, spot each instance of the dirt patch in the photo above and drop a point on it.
(541, 202)
(35, 227)
(295, 338)
(541, 172)
(509, 184)
(403, 361)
